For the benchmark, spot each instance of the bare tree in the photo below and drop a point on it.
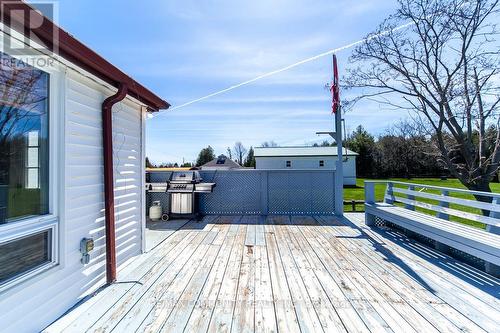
(229, 153)
(268, 144)
(444, 69)
(239, 152)
(22, 100)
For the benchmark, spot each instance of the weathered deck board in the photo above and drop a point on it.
(306, 313)
(140, 300)
(244, 317)
(417, 295)
(352, 304)
(437, 263)
(130, 278)
(468, 300)
(419, 314)
(326, 312)
(286, 316)
(161, 319)
(222, 315)
(265, 317)
(159, 300)
(290, 274)
(200, 316)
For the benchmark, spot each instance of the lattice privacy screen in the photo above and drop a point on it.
(262, 192)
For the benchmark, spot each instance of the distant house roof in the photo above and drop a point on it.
(299, 151)
(168, 169)
(221, 162)
(75, 51)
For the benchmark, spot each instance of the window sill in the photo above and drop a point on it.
(25, 226)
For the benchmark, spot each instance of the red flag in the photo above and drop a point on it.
(335, 87)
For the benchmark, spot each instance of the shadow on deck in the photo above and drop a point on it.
(289, 274)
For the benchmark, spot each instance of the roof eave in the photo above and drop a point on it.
(76, 52)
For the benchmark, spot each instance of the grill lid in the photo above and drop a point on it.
(185, 177)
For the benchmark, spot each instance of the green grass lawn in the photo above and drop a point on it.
(357, 193)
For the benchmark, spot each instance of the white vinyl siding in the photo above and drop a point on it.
(34, 304)
(308, 163)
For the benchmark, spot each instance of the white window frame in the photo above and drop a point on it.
(24, 227)
(17, 230)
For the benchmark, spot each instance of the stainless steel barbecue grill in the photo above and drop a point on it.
(182, 187)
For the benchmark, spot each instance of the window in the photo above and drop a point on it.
(24, 152)
(221, 159)
(24, 254)
(32, 161)
(288, 164)
(321, 163)
(24, 169)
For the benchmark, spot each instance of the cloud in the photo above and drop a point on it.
(193, 48)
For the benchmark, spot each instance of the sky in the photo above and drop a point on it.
(186, 49)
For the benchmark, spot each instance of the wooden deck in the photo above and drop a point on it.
(290, 274)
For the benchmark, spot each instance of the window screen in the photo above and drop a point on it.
(24, 254)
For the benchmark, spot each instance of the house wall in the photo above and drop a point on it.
(309, 162)
(32, 305)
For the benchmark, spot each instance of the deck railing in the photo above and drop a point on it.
(444, 202)
(261, 192)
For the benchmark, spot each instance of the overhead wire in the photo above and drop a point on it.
(283, 69)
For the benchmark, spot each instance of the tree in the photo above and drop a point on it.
(149, 164)
(363, 143)
(324, 143)
(268, 144)
(250, 159)
(414, 151)
(444, 70)
(206, 155)
(229, 153)
(239, 152)
(187, 165)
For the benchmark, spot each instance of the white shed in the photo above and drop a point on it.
(71, 168)
(306, 158)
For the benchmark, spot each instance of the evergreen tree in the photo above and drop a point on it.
(206, 155)
(363, 143)
(250, 159)
(149, 164)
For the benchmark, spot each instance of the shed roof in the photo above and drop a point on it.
(299, 151)
(221, 162)
(76, 52)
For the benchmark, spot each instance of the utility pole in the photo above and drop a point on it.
(339, 171)
(337, 136)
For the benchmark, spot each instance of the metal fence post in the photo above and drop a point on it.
(339, 190)
(444, 204)
(264, 192)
